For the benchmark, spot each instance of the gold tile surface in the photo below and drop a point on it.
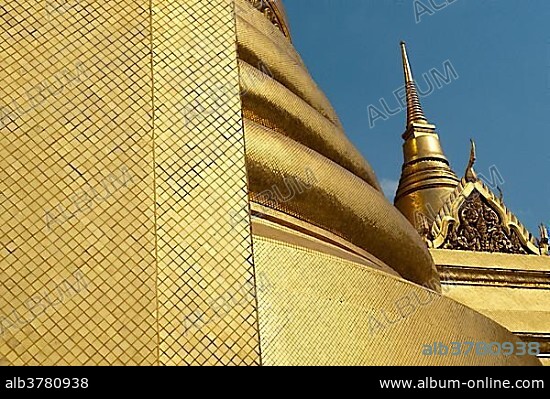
(258, 41)
(207, 306)
(337, 201)
(125, 236)
(77, 242)
(511, 289)
(121, 157)
(317, 309)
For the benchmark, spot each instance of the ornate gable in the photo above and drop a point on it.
(474, 219)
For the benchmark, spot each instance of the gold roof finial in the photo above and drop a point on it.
(470, 174)
(543, 233)
(414, 109)
(543, 241)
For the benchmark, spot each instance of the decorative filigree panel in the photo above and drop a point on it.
(481, 228)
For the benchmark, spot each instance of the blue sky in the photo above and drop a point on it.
(500, 51)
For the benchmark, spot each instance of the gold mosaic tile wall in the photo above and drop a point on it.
(206, 271)
(77, 267)
(511, 289)
(317, 309)
(121, 157)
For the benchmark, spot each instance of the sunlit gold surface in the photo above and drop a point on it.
(68, 145)
(350, 208)
(270, 104)
(270, 223)
(285, 101)
(316, 309)
(158, 251)
(170, 269)
(513, 290)
(203, 257)
(426, 179)
(487, 259)
(259, 43)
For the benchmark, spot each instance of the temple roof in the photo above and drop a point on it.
(473, 218)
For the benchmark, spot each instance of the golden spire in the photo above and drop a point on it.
(426, 177)
(414, 109)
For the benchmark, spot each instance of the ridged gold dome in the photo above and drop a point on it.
(291, 128)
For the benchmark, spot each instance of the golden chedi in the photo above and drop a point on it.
(485, 257)
(426, 179)
(182, 192)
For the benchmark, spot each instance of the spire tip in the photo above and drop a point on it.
(414, 109)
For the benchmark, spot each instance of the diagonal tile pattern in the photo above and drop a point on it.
(117, 171)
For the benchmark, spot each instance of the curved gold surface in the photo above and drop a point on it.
(269, 103)
(317, 309)
(337, 200)
(424, 202)
(270, 223)
(299, 129)
(259, 42)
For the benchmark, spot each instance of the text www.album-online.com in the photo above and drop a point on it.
(483, 383)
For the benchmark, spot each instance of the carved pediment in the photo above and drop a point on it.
(474, 219)
(480, 228)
